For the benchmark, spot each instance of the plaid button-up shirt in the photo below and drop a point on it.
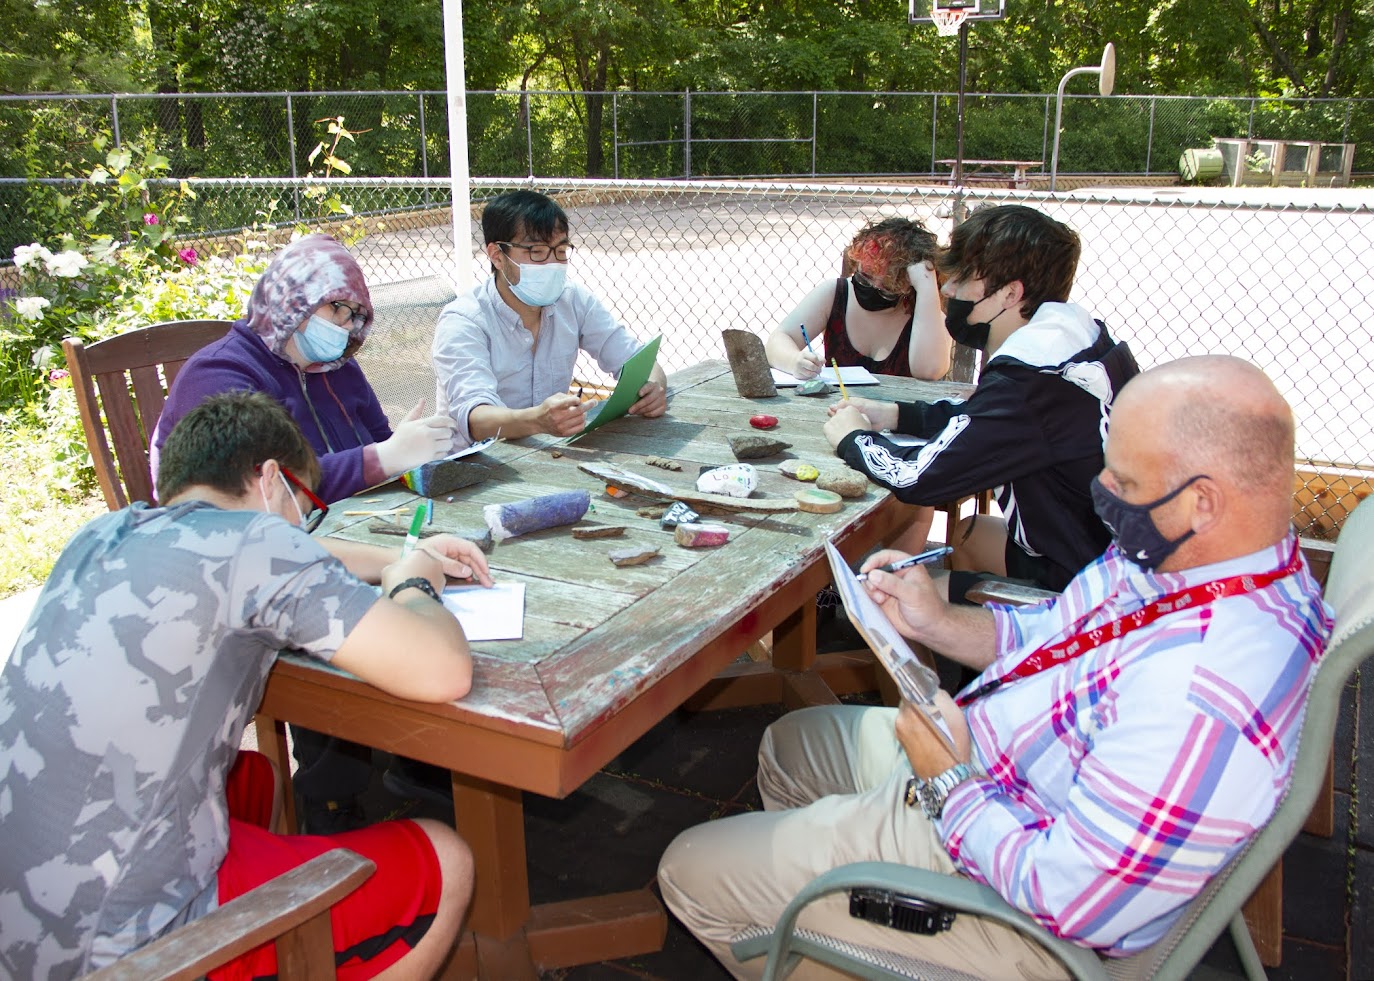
(1119, 782)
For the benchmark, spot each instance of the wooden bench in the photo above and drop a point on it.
(1013, 172)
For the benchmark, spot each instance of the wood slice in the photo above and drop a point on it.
(818, 501)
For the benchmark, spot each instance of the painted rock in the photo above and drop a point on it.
(694, 535)
(818, 501)
(735, 480)
(846, 483)
(754, 447)
(798, 470)
(814, 388)
(622, 557)
(676, 515)
(763, 422)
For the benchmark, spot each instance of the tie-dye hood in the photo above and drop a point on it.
(312, 270)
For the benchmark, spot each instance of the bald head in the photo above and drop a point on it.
(1222, 417)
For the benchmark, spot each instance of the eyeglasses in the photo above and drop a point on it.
(317, 515)
(885, 294)
(539, 252)
(357, 316)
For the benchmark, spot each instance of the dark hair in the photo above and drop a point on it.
(892, 244)
(1012, 242)
(509, 215)
(221, 443)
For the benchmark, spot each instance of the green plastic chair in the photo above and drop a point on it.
(1350, 591)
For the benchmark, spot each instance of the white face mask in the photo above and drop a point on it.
(300, 518)
(540, 283)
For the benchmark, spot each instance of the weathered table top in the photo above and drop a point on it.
(597, 637)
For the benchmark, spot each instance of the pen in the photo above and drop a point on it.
(930, 555)
(413, 536)
(429, 514)
(805, 337)
(844, 394)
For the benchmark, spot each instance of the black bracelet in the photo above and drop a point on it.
(416, 582)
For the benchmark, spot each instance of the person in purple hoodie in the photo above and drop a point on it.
(306, 319)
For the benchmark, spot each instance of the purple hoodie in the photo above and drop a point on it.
(332, 403)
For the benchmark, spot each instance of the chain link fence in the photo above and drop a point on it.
(1277, 276)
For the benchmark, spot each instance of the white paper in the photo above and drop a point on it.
(497, 613)
(850, 374)
(476, 447)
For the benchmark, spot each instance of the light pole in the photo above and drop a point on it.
(1106, 82)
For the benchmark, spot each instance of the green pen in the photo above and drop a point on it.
(413, 536)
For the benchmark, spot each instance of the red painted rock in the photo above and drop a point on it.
(763, 422)
(694, 535)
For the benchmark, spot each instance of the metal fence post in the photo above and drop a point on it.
(813, 133)
(687, 134)
(1250, 123)
(615, 134)
(424, 144)
(114, 118)
(1150, 139)
(1045, 132)
(291, 149)
(934, 130)
(529, 133)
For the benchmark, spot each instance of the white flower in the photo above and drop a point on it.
(25, 254)
(30, 307)
(67, 264)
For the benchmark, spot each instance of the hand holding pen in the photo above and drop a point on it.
(808, 363)
(929, 555)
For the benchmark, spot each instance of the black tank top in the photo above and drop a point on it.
(841, 349)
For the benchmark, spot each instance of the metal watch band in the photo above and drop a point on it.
(416, 582)
(930, 794)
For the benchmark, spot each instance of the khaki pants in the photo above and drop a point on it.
(832, 780)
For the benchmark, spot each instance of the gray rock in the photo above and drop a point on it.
(755, 447)
(846, 483)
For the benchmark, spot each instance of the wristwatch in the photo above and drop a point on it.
(416, 582)
(930, 794)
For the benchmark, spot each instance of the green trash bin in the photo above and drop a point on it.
(1202, 164)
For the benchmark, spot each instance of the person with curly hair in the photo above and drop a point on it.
(886, 316)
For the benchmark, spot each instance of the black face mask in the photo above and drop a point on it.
(870, 297)
(1132, 528)
(963, 332)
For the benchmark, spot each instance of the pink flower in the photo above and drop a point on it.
(150, 219)
(58, 375)
(188, 256)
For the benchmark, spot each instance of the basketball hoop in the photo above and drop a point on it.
(948, 20)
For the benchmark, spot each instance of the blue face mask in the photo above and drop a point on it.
(320, 342)
(1132, 528)
(540, 283)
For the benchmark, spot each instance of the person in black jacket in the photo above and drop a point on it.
(1034, 427)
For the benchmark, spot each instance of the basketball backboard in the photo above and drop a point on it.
(919, 11)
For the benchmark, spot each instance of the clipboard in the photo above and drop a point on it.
(917, 683)
(633, 375)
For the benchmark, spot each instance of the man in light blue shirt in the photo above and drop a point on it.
(504, 353)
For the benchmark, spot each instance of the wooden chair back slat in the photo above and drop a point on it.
(131, 374)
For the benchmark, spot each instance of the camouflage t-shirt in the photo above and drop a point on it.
(121, 710)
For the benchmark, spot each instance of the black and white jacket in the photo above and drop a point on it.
(1032, 431)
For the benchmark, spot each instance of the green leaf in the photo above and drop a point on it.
(119, 159)
(339, 165)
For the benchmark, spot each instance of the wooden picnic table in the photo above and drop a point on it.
(607, 652)
(1012, 171)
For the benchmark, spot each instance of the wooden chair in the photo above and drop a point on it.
(293, 909)
(1350, 591)
(133, 372)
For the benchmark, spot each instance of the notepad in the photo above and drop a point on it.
(497, 613)
(634, 373)
(851, 374)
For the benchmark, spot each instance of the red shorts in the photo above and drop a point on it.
(375, 925)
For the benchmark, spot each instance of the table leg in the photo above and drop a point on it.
(271, 734)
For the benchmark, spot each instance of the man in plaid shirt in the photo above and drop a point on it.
(1122, 743)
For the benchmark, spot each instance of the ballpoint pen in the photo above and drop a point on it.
(429, 513)
(413, 536)
(930, 555)
(805, 338)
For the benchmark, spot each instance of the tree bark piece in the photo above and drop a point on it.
(619, 477)
(622, 557)
(749, 363)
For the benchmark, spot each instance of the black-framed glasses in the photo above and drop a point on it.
(885, 294)
(357, 316)
(539, 252)
(320, 510)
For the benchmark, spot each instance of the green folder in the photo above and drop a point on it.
(633, 374)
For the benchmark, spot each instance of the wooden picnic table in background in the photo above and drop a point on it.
(1012, 171)
(607, 652)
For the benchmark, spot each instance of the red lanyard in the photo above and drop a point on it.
(1048, 655)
